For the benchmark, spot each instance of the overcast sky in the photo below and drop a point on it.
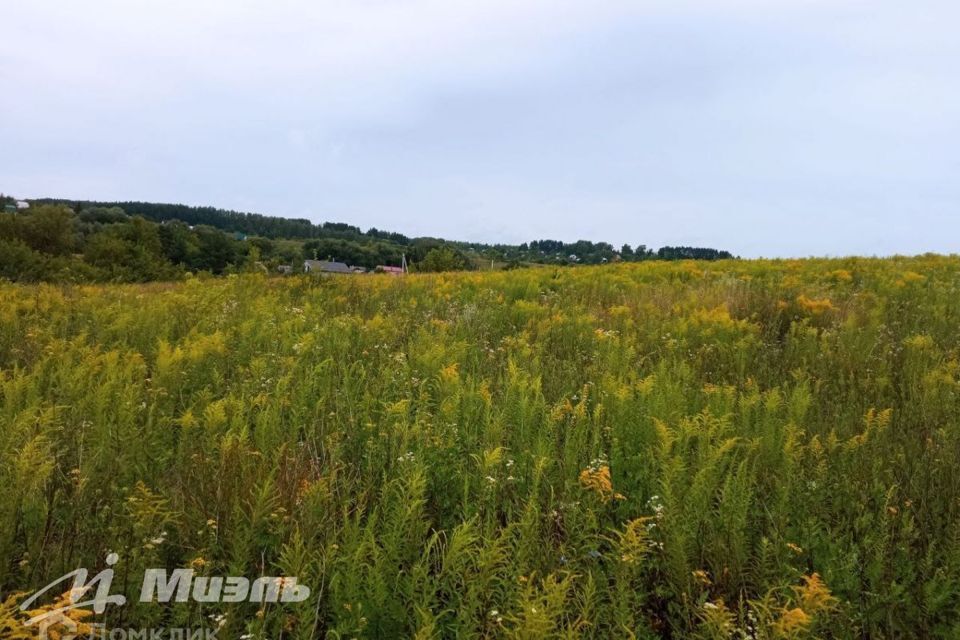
(766, 127)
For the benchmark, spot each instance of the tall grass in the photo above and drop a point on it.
(756, 449)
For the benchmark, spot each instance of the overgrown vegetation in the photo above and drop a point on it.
(738, 449)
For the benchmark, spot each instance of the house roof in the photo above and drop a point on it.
(327, 266)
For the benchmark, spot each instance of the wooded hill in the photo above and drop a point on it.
(69, 240)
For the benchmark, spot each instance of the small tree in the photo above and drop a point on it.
(442, 259)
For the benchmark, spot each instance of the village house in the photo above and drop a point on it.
(396, 271)
(325, 266)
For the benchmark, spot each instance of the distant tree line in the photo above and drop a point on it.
(52, 242)
(586, 252)
(692, 253)
(234, 221)
(141, 241)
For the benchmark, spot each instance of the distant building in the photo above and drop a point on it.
(396, 271)
(325, 266)
(359, 269)
(285, 269)
(23, 204)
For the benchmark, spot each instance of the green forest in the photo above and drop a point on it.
(85, 241)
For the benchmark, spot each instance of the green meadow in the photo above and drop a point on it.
(732, 449)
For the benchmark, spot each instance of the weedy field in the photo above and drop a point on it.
(745, 449)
